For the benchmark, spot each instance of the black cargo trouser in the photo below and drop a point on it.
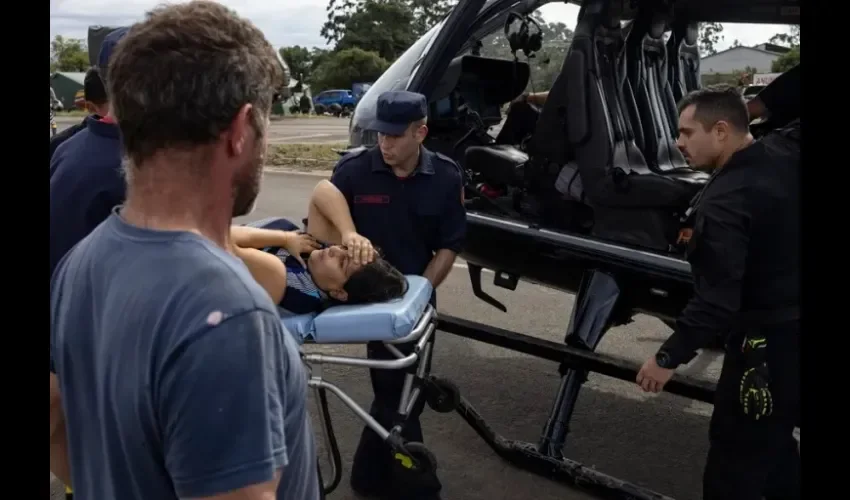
(754, 459)
(372, 470)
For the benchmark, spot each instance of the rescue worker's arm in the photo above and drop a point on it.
(781, 98)
(452, 234)
(539, 98)
(721, 239)
(330, 204)
(331, 200)
(59, 463)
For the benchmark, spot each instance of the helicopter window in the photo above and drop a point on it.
(482, 83)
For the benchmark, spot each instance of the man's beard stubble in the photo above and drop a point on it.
(246, 186)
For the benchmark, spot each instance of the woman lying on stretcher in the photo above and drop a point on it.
(306, 276)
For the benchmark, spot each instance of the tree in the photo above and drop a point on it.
(339, 70)
(791, 58)
(710, 34)
(381, 26)
(790, 39)
(68, 54)
(298, 60)
(424, 13)
(786, 61)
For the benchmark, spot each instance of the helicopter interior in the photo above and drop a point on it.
(602, 159)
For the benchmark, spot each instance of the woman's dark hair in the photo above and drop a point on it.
(377, 281)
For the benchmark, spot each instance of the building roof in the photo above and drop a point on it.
(740, 48)
(73, 76)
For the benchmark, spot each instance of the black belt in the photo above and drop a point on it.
(768, 317)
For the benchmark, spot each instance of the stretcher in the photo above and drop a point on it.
(406, 327)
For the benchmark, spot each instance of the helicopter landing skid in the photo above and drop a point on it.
(595, 306)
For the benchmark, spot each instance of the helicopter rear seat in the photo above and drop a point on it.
(657, 116)
(683, 51)
(631, 203)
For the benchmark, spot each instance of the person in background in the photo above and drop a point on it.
(55, 105)
(177, 378)
(86, 181)
(96, 104)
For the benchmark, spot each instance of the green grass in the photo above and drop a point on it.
(73, 112)
(307, 156)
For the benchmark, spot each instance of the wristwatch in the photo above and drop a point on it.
(662, 359)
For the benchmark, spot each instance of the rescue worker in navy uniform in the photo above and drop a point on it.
(408, 201)
(745, 256)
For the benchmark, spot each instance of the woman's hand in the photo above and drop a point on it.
(297, 243)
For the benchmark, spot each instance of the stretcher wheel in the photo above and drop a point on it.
(442, 395)
(416, 457)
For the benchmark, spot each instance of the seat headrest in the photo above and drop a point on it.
(657, 27)
(596, 14)
(692, 33)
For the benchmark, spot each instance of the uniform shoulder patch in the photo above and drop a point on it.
(349, 155)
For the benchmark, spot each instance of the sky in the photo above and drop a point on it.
(297, 22)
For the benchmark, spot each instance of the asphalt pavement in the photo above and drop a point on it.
(657, 441)
(323, 129)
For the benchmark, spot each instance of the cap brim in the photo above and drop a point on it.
(388, 128)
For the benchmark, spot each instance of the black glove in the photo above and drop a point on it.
(755, 397)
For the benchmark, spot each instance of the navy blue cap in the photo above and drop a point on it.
(397, 109)
(110, 41)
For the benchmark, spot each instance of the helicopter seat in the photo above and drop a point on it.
(683, 70)
(631, 203)
(500, 164)
(657, 115)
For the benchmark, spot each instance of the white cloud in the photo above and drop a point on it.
(284, 22)
(297, 22)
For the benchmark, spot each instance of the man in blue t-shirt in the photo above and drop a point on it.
(177, 379)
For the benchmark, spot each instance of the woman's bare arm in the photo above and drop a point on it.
(255, 237)
(267, 269)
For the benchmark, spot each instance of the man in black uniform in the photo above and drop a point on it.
(409, 202)
(745, 257)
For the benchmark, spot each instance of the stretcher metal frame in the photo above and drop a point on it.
(415, 385)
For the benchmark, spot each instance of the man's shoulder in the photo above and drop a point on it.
(353, 159)
(69, 144)
(207, 275)
(446, 167)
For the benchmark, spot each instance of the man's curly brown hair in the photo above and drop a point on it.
(178, 78)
